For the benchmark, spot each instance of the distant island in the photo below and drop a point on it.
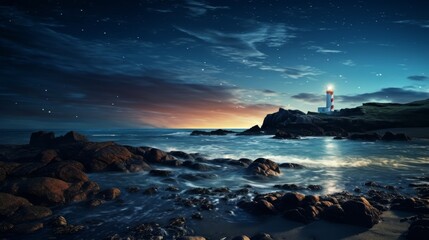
(368, 117)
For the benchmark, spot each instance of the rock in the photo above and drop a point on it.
(157, 156)
(68, 229)
(264, 207)
(338, 138)
(9, 204)
(160, 173)
(181, 155)
(110, 194)
(262, 236)
(198, 166)
(291, 165)
(242, 237)
(334, 213)
(133, 189)
(150, 191)
(314, 187)
(219, 132)
(59, 221)
(199, 191)
(41, 138)
(40, 190)
(106, 158)
(96, 202)
(285, 135)
(47, 156)
(411, 204)
(191, 238)
(289, 201)
(25, 228)
(311, 199)
(365, 137)
(361, 212)
(71, 138)
(178, 221)
(255, 130)
(81, 191)
(289, 187)
(30, 213)
(197, 216)
(68, 171)
(419, 229)
(264, 167)
(296, 214)
(389, 136)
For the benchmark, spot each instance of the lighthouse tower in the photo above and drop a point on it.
(329, 101)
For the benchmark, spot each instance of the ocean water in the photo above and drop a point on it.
(336, 165)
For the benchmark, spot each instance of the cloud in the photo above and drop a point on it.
(420, 23)
(60, 80)
(309, 97)
(349, 63)
(418, 77)
(300, 72)
(320, 49)
(397, 95)
(199, 8)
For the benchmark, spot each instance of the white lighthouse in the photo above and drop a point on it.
(329, 101)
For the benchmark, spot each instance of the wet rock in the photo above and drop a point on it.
(242, 237)
(103, 158)
(419, 229)
(27, 169)
(289, 201)
(199, 191)
(334, 213)
(68, 229)
(133, 189)
(264, 167)
(285, 135)
(221, 190)
(68, 171)
(372, 184)
(198, 166)
(289, 187)
(191, 238)
(150, 191)
(42, 138)
(96, 202)
(59, 221)
(360, 212)
(262, 236)
(26, 228)
(81, 191)
(160, 173)
(181, 155)
(314, 187)
(255, 130)
(110, 194)
(30, 213)
(357, 190)
(296, 214)
(389, 136)
(291, 165)
(47, 156)
(311, 199)
(9, 204)
(178, 221)
(157, 156)
(39, 190)
(338, 138)
(371, 137)
(219, 132)
(411, 204)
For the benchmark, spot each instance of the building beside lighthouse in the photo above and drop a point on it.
(329, 101)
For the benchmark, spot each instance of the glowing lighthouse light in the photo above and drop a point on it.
(329, 101)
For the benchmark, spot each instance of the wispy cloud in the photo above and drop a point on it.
(320, 49)
(349, 63)
(300, 72)
(420, 23)
(309, 97)
(199, 8)
(418, 78)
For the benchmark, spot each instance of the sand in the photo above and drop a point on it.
(280, 228)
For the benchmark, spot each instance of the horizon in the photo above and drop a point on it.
(196, 64)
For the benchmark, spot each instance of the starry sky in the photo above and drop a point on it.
(203, 64)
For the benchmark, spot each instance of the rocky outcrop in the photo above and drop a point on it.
(365, 137)
(285, 135)
(255, 130)
(389, 136)
(263, 167)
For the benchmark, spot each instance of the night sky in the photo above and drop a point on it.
(203, 64)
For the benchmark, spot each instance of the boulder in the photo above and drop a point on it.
(181, 155)
(360, 212)
(285, 135)
(102, 158)
(259, 207)
(264, 167)
(81, 191)
(365, 137)
(70, 138)
(9, 204)
(26, 228)
(296, 214)
(68, 171)
(41, 138)
(334, 213)
(289, 201)
(59, 221)
(39, 190)
(219, 132)
(30, 213)
(157, 156)
(47, 156)
(419, 229)
(291, 165)
(110, 194)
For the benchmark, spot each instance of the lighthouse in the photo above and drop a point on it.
(329, 101)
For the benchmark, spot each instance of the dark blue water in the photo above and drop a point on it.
(336, 165)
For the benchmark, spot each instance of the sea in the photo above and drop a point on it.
(336, 165)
